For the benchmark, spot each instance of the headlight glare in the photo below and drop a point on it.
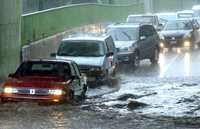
(187, 44)
(162, 45)
(9, 90)
(56, 92)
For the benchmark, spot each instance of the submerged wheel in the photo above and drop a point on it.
(136, 61)
(155, 58)
(83, 94)
(70, 96)
(3, 101)
(107, 80)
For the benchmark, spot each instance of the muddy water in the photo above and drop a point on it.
(170, 93)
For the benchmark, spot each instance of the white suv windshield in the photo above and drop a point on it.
(81, 48)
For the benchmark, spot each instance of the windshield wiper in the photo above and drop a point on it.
(127, 35)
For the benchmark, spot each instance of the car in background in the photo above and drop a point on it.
(180, 33)
(149, 19)
(96, 56)
(196, 9)
(165, 17)
(185, 14)
(45, 81)
(135, 42)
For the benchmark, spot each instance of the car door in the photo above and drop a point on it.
(83, 79)
(195, 32)
(77, 83)
(112, 49)
(145, 41)
(155, 39)
(112, 57)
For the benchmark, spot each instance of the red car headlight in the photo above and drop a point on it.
(56, 92)
(9, 90)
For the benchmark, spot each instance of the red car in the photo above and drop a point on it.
(44, 81)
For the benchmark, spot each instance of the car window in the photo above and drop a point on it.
(123, 33)
(185, 15)
(110, 44)
(146, 31)
(75, 66)
(44, 69)
(178, 25)
(81, 49)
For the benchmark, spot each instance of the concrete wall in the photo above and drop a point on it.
(43, 48)
(47, 23)
(10, 43)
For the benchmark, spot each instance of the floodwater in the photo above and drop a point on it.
(166, 96)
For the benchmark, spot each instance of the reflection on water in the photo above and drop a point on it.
(60, 119)
(187, 63)
(184, 66)
(162, 64)
(178, 50)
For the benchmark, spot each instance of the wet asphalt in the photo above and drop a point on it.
(163, 96)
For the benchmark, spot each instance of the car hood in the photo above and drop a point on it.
(36, 82)
(175, 33)
(88, 61)
(124, 44)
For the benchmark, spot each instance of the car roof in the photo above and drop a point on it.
(196, 7)
(124, 25)
(185, 11)
(133, 15)
(86, 38)
(166, 13)
(51, 60)
(184, 19)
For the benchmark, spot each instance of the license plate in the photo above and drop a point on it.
(32, 91)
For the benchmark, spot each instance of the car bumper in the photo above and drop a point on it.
(31, 98)
(125, 57)
(177, 43)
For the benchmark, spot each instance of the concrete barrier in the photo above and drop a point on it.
(46, 23)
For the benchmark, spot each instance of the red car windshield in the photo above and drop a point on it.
(44, 69)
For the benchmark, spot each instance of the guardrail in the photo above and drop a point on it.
(39, 25)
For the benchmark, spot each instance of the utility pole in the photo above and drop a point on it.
(148, 5)
(10, 36)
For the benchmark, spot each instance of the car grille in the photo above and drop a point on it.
(178, 39)
(84, 69)
(173, 37)
(25, 91)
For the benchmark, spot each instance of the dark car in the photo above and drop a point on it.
(135, 42)
(180, 33)
(96, 56)
(44, 81)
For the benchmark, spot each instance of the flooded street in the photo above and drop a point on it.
(150, 97)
